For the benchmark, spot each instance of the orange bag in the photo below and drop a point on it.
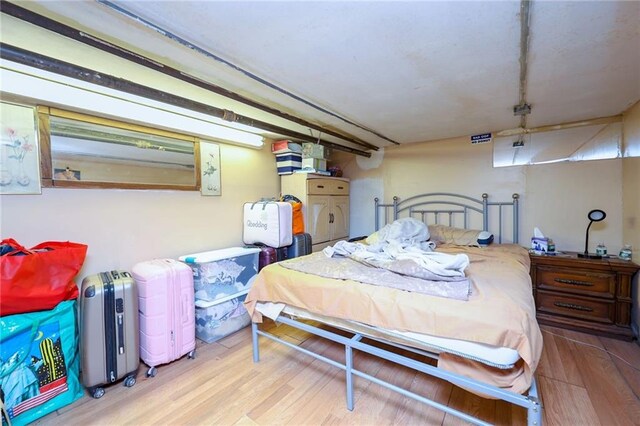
(297, 216)
(298, 219)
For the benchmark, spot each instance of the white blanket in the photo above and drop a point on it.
(403, 240)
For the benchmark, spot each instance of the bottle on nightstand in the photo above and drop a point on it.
(601, 249)
(626, 252)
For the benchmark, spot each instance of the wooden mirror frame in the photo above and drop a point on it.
(46, 162)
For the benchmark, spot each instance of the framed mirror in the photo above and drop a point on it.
(86, 151)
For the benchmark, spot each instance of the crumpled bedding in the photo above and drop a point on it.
(403, 274)
(410, 261)
(402, 247)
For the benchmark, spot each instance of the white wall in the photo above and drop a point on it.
(631, 205)
(554, 197)
(122, 227)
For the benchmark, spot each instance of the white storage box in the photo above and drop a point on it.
(314, 163)
(269, 223)
(219, 274)
(215, 320)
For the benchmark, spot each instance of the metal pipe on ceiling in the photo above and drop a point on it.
(523, 109)
(164, 32)
(38, 61)
(562, 126)
(74, 34)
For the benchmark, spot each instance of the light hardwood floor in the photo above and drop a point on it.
(579, 385)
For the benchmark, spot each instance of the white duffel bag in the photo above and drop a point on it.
(268, 223)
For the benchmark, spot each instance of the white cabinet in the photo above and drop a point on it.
(325, 206)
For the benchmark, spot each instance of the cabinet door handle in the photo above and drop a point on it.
(319, 186)
(573, 306)
(574, 282)
(330, 217)
(341, 187)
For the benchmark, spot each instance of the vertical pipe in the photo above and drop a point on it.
(395, 207)
(377, 213)
(485, 212)
(254, 337)
(534, 411)
(349, 376)
(500, 223)
(516, 225)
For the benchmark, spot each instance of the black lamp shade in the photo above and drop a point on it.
(595, 215)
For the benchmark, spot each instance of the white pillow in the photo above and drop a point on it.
(458, 236)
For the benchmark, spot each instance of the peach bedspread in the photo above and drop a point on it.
(500, 310)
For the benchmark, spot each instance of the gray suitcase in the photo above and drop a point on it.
(109, 330)
(301, 246)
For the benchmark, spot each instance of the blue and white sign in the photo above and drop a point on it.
(481, 138)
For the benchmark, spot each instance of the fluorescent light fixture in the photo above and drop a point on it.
(55, 90)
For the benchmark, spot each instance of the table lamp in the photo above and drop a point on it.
(594, 216)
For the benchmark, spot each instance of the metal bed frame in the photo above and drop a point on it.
(530, 402)
(451, 205)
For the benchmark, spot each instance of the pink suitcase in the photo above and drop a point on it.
(167, 311)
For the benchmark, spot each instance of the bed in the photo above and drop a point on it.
(489, 344)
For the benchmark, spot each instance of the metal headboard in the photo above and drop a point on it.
(437, 204)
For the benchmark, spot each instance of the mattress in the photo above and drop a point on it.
(499, 313)
(494, 356)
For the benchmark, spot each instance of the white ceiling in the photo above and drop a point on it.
(412, 71)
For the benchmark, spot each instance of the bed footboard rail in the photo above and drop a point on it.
(531, 401)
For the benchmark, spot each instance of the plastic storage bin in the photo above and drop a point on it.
(219, 274)
(217, 319)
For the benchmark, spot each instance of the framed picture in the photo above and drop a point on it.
(210, 168)
(19, 152)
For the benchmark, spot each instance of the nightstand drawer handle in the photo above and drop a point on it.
(572, 306)
(574, 282)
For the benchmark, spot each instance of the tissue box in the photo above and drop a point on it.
(540, 244)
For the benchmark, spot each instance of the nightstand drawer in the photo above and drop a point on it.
(598, 284)
(584, 308)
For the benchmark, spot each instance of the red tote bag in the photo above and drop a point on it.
(39, 278)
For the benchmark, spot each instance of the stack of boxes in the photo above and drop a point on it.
(314, 158)
(222, 279)
(288, 156)
(292, 157)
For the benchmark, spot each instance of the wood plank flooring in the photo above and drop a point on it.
(579, 385)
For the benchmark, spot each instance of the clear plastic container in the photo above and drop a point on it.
(601, 249)
(626, 252)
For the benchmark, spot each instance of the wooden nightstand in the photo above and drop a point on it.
(593, 296)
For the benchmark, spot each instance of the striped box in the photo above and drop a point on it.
(288, 163)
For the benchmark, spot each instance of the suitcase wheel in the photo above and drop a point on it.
(130, 381)
(152, 372)
(97, 392)
(192, 354)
